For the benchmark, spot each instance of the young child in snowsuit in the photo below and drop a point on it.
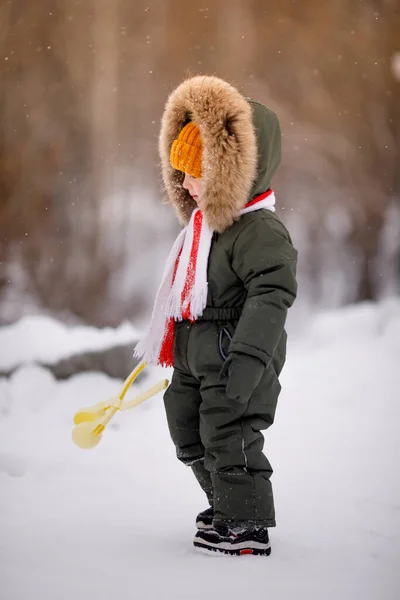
(220, 311)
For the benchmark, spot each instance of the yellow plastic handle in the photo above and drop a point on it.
(162, 385)
(131, 378)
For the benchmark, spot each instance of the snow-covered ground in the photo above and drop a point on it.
(117, 521)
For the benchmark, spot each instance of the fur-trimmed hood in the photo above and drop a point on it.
(241, 148)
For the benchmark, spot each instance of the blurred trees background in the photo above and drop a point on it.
(83, 233)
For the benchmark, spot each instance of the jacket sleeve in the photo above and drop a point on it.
(265, 260)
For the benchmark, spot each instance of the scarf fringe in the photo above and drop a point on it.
(147, 350)
(173, 306)
(198, 303)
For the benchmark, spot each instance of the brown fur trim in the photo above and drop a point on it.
(224, 118)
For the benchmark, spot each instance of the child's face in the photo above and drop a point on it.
(194, 186)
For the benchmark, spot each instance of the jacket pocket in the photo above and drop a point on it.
(224, 340)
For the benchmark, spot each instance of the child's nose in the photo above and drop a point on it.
(185, 183)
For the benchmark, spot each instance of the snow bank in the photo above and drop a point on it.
(45, 340)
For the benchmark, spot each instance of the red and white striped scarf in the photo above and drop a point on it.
(183, 290)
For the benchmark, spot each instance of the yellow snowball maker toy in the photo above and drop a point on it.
(90, 422)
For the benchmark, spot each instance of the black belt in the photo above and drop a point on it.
(223, 313)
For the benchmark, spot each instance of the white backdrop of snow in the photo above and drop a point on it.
(118, 520)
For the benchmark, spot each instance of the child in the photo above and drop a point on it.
(220, 311)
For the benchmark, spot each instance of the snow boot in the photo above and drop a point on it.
(236, 541)
(205, 518)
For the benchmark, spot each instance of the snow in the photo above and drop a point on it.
(42, 339)
(118, 520)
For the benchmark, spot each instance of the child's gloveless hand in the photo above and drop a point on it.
(244, 373)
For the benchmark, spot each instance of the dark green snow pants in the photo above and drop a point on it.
(218, 437)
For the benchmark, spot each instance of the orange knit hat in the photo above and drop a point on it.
(186, 151)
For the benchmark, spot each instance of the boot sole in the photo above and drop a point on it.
(243, 549)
